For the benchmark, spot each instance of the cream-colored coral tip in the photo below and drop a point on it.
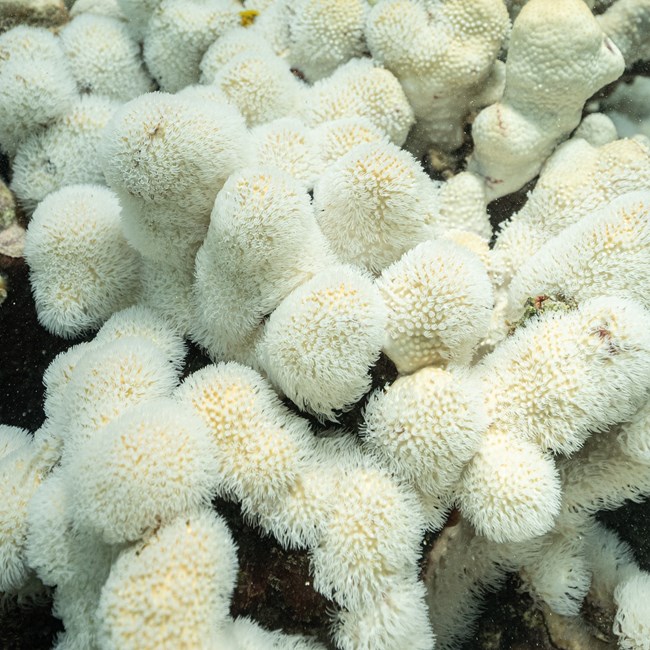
(463, 206)
(397, 618)
(162, 232)
(360, 88)
(374, 204)
(319, 344)
(233, 42)
(441, 52)
(259, 445)
(371, 538)
(261, 85)
(167, 149)
(287, 144)
(565, 32)
(632, 621)
(634, 436)
(426, 426)
(577, 180)
(323, 34)
(262, 243)
(603, 254)
(110, 8)
(171, 590)
(103, 57)
(510, 490)
(597, 129)
(337, 137)
(297, 519)
(570, 372)
(37, 86)
(109, 379)
(63, 154)
(56, 378)
(478, 245)
(81, 267)
(11, 438)
(178, 34)
(150, 464)
(145, 323)
(21, 472)
(439, 299)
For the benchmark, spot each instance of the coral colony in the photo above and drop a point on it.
(247, 176)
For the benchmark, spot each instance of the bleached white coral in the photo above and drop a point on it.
(323, 34)
(603, 476)
(49, 526)
(560, 573)
(172, 589)
(370, 541)
(463, 205)
(287, 144)
(611, 559)
(145, 323)
(37, 84)
(144, 468)
(576, 181)
(166, 232)
(627, 23)
(245, 634)
(632, 622)
(167, 290)
(259, 446)
(374, 204)
(510, 490)
(297, 520)
(109, 8)
(21, 472)
(164, 148)
(439, 300)
(107, 381)
(396, 619)
(337, 137)
(63, 154)
(178, 34)
(426, 427)
(228, 46)
(56, 378)
(260, 85)
(597, 129)
(103, 57)
(11, 438)
(603, 254)
(568, 373)
(77, 591)
(361, 89)
(552, 45)
(263, 242)
(634, 436)
(81, 267)
(442, 53)
(320, 342)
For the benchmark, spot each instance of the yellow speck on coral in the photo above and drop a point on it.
(248, 17)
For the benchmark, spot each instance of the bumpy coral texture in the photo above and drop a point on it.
(173, 588)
